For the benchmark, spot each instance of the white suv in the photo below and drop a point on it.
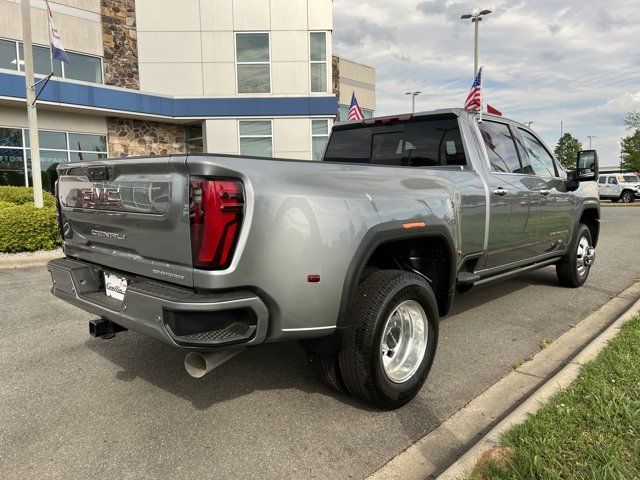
(619, 186)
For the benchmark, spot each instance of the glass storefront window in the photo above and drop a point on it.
(49, 160)
(53, 151)
(10, 137)
(84, 156)
(55, 140)
(12, 166)
(89, 143)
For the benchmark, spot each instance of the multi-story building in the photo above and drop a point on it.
(147, 77)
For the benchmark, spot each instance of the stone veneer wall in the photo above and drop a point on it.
(119, 39)
(128, 137)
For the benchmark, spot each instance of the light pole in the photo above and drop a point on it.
(475, 18)
(590, 137)
(413, 99)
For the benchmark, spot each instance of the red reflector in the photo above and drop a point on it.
(313, 278)
(216, 211)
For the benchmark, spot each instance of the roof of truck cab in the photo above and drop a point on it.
(459, 112)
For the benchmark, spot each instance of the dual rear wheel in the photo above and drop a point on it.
(388, 351)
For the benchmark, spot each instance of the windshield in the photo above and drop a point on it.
(631, 178)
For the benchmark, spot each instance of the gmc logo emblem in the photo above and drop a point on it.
(101, 196)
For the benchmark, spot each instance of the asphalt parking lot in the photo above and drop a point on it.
(72, 406)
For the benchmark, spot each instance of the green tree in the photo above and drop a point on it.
(632, 120)
(631, 152)
(567, 150)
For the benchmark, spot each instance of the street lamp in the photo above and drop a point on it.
(590, 137)
(413, 99)
(475, 18)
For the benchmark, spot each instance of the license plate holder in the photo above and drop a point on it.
(115, 286)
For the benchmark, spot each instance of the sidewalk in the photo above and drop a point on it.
(439, 449)
(28, 259)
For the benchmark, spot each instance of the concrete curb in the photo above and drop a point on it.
(437, 450)
(464, 465)
(29, 260)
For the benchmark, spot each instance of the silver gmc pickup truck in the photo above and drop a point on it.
(356, 256)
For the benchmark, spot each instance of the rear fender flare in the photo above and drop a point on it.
(384, 233)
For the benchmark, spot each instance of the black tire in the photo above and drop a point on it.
(627, 196)
(360, 360)
(567, 268)
(327, 370)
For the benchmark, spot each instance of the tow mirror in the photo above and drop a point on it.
(587, 166)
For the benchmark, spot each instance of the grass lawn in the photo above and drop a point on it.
(589, 431)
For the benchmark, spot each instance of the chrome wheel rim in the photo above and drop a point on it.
(404, 341)
(585, 255)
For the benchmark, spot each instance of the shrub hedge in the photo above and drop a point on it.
(24, 196)
(24, 227)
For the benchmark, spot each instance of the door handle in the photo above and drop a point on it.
(545, 192)
(501, 192)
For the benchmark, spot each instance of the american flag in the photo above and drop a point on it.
(474, 99)
(355, 113)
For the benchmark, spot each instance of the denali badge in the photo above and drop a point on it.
(168, 274)
(114, 235)
(101, 196)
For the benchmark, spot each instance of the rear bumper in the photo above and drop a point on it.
(171, 314)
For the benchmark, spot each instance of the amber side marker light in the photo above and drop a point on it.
(414, 225)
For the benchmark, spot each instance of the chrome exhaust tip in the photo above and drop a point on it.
(199, 364)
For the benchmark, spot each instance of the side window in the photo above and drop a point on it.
(602, 180)
(613, 181)
(541, 161)
(501, 148)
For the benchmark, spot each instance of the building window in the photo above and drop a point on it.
(318, 61)
(256, 138)
(80, 67)
(194, 139)
(319, 138)
(55, 148)
(253, 63)
(83, 67)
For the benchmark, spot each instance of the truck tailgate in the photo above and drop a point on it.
(130, 215)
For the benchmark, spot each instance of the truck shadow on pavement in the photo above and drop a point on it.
(272, 366)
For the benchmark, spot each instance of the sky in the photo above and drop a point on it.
(545, 61)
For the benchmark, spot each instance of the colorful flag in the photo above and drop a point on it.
(355, 113)
(474, 99)
(57, 50)
(493, 111)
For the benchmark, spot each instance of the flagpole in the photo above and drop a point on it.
(49, 34)
(481, 94)
(32, 114)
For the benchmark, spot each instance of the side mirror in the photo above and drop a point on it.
(587, 166)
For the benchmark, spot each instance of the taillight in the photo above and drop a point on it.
(216, 210)
(58, 211)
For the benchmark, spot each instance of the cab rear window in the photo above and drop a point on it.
(417, 143)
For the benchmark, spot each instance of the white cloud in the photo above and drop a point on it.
(545, 61)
